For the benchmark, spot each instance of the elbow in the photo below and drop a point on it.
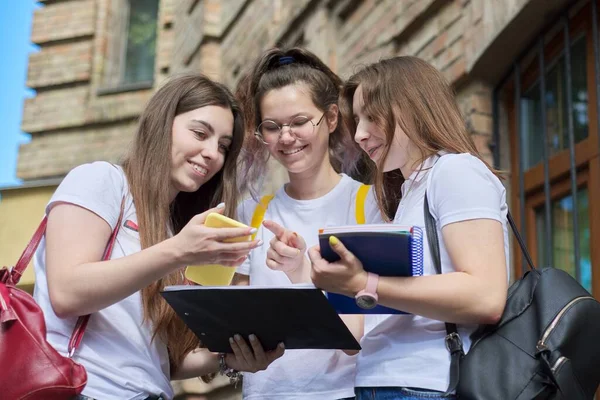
(62, 306)
(491, 311)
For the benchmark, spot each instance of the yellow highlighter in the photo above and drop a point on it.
(215, 274)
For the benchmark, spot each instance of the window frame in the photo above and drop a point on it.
(116, 53)
(586, 152)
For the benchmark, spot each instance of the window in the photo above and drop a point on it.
(131, 54)
(140, 50)
(550, 98)
(557, 133)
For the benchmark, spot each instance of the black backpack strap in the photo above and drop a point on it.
(453, 341)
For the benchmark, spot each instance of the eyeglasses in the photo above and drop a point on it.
(301, 127)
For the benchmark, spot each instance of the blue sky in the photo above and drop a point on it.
(15, 30)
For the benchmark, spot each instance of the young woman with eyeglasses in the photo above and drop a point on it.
(290, 103)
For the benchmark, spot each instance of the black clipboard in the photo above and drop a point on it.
(299, 316)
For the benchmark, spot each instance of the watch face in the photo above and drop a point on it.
(366, 302)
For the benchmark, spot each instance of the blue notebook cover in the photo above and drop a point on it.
(388, 253)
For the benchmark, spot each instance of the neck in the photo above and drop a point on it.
(173, 194)
(313, 183)
(412, 163)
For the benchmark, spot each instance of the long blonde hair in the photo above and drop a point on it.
(148, 171)
(408, 92)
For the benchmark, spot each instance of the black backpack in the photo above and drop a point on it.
(545, 346)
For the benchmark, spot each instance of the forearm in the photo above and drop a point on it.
(197, 363)
(454, 297)
(89, 287)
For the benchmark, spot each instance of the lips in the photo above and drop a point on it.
(199, 169)
(290, 152)
(371, 152)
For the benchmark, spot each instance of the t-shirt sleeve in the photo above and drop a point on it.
(96, 187)
(244, 213)
(462, 188)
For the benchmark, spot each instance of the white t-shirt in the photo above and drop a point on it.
(120, 357)
(301, 374)
(409, 350)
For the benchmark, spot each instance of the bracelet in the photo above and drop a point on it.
(234, 376)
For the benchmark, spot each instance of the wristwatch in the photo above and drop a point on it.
(367, 298)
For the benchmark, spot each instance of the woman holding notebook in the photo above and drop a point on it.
(181, 165)
(290, 100)
(405, 117)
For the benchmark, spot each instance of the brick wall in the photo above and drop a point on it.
(54, 153)
(450, 34)
(60, 64)
(64, 21)
(73, 119)
(222, 37)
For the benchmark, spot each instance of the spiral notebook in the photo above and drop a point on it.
(384, 249)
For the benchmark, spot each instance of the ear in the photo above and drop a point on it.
(332, 117)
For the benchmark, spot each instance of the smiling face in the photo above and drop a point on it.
(309, 152)
(372, 139)
(201, 139)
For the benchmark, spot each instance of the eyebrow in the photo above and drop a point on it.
(211, 129)
(208, 126)
(300, 114)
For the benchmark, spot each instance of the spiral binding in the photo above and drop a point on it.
(416, 250)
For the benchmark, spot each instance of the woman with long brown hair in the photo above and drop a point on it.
(181, 166)
(290, 100)
(404, 115)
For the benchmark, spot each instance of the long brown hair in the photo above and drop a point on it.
(269, 73)
(148, 171)
(408, 92)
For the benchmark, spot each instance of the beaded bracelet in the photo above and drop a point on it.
(234, 376)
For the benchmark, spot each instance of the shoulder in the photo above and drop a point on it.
(96, 172)
(461, 187)
(461, 169)
(97, 186)
(458, 162)
(350, 184)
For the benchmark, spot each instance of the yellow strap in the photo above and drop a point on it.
(259, 212)
(361, 197)
(261, 208)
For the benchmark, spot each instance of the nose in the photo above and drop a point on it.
(286, 136)
(361, 134)
(210, 149)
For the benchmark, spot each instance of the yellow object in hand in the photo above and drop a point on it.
(216, 274)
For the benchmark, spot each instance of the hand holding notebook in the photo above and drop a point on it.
(385, 250)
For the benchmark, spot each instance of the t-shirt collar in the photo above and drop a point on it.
(425, 166)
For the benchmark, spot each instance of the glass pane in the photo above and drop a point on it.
(556, 101)
(141, 41)
(556, 107)
(580, 91)
(562, 245)
(531, 123)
